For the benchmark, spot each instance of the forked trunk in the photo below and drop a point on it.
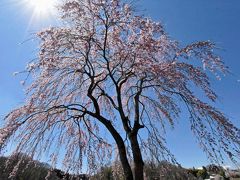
(121, 149)
(137, 156)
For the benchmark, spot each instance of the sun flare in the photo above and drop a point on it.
(42, 7)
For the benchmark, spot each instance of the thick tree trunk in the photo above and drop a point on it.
(137, 158)
(124, 161)
(121, 149)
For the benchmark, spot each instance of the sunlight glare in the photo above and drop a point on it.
(42, 7)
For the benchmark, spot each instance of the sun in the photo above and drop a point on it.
(42, 7)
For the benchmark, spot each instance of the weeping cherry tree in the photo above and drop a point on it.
(108, 79)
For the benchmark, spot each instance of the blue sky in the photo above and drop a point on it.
(192, 20)
(184, 20)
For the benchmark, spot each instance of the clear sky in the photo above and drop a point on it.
(184, 20)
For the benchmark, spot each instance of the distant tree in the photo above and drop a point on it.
(223, 174)
(202, 173)
(193, 171)
(214, 168)
(109, 69)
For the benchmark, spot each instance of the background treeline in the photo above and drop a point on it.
(28, 169)
(167, 171)
(161, 171)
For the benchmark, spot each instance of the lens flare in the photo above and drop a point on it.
(42, 7)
